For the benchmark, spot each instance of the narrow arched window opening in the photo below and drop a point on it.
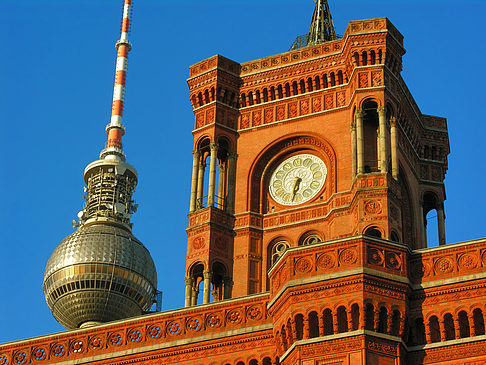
(464, 329)
(299, 326)
(450, 332)
(370, 136)
(342, 318)
(370, 317)
(373, 232)
(327, 322)
(434, 329)
(478, 320)
(313, 325)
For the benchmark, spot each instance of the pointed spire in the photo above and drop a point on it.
(322, 27)
(115, 129)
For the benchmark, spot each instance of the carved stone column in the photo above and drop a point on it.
(212, 173)
(383, 138)
(208, 276)
(189, 285)
(195, 169)
(321, 326)
(394, 147)
(423, 226)
(335, 323)
(457, 328)
(353, 147)
(306, 330)
(200, 185)
(359, 141)
(441, 225)
(349, 316)
(389, 323)
(230, 196)
(221, 185)
(403, 322)
(292, 331)
(362, 317)
(428, 334)
(377, 319)
(195, 293)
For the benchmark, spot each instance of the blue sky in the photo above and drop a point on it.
(57, 69)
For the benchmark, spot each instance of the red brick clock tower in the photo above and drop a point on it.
(313, 173)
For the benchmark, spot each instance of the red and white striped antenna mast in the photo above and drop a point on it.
(115, 129)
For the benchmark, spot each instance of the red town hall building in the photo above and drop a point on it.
(313, 171)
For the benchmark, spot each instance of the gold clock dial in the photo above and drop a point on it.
(298, 179)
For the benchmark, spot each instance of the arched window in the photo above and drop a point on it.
(373, 232)
(433, 220)
(283, 333)
(464, 324)
(434, 329)
(383, 320)
(317, 81)
(253, 362)
(333, 79)
(219, 273)
(279, 92)
(450, 333)
(309, 84)
(342, 318)
(478, 320)
(395, 329)
(287, 90)
(372, 57)
(340, 77)
(364, 58)
(299, 326)
(267, 361)
(310, 239)
(302, 86)
(324, 82)
(265, 95)
(278, 250)
(327, 321)
(370, 136)
(295, 88)
(313, 325)
(370, 317)
(355, 317)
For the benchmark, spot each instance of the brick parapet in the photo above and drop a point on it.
(195, 324)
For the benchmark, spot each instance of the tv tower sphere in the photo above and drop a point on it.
(101, 272)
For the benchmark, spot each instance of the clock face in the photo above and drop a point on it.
(298, 179)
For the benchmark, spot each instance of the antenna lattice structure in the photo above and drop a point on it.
(102, 272)
(321, 28)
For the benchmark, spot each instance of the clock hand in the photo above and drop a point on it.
(296, 187)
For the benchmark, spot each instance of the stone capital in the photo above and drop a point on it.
(208, 275)
(381, 110)
(393, 121)
(189, 280)
(214, 147)
(359, 114)
(196, 153)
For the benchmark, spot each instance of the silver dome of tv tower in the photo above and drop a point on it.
(101, 272)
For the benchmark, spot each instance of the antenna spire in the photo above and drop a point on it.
(115, 129)
(322, 27)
